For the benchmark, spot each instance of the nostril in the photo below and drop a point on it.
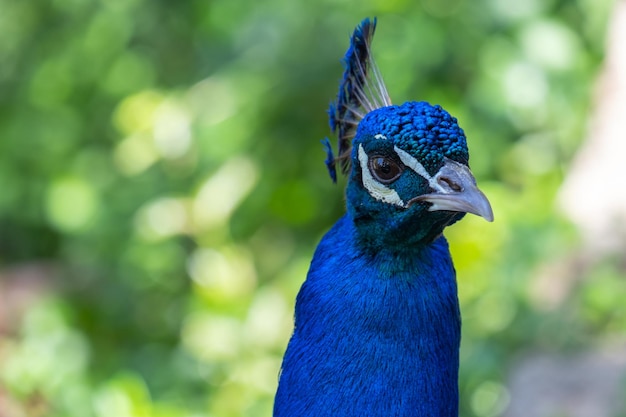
(450, 184)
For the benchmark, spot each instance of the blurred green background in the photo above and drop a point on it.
(162, 189)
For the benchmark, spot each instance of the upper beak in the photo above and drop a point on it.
(455, 190)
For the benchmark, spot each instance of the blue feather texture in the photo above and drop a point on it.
(375, 334)
(361, 90)
(428, 132)
(377, 324)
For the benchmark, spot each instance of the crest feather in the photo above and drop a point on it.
(361, 90)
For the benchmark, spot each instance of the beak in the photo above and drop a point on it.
(455, 190)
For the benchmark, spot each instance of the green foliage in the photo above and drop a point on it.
(164, 157)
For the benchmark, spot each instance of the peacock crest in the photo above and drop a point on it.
(362, 90)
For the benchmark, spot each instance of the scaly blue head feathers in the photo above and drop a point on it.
(427, 132)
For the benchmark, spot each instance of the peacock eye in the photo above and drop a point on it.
(384, 169)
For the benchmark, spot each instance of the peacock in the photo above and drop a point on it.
(377, 323)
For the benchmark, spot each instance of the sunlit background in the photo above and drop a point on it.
(162, 190)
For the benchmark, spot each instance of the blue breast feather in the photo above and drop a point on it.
(375, 334)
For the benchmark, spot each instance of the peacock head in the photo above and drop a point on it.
(409, 175)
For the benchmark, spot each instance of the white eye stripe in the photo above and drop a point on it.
(416, 166)
(377, 190)
(379, 136)
(388, 195)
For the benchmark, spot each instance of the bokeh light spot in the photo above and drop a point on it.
(162, 218)
(489, 399)
(516, 10)
(227, 274)
(137, 112)
(135, 154)
(495, 310)
(71, 203)
(549, 44)
(525, 85)
(221, 193)
(214, 100)
(269, 320)
(211, 338)
(126, 395)
(172, 130)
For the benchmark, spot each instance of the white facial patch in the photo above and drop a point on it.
(388, 195)
(440, 183)
(377, 190)
(416, 166)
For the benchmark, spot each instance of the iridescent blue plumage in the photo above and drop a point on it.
(357, 95)
(330, 159)
(428, 132)
(375, 334)
(377, 323)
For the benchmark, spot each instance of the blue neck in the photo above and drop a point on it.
(375, 334)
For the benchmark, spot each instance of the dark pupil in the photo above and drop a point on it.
(384, 169)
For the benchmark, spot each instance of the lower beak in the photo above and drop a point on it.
(455, 190)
